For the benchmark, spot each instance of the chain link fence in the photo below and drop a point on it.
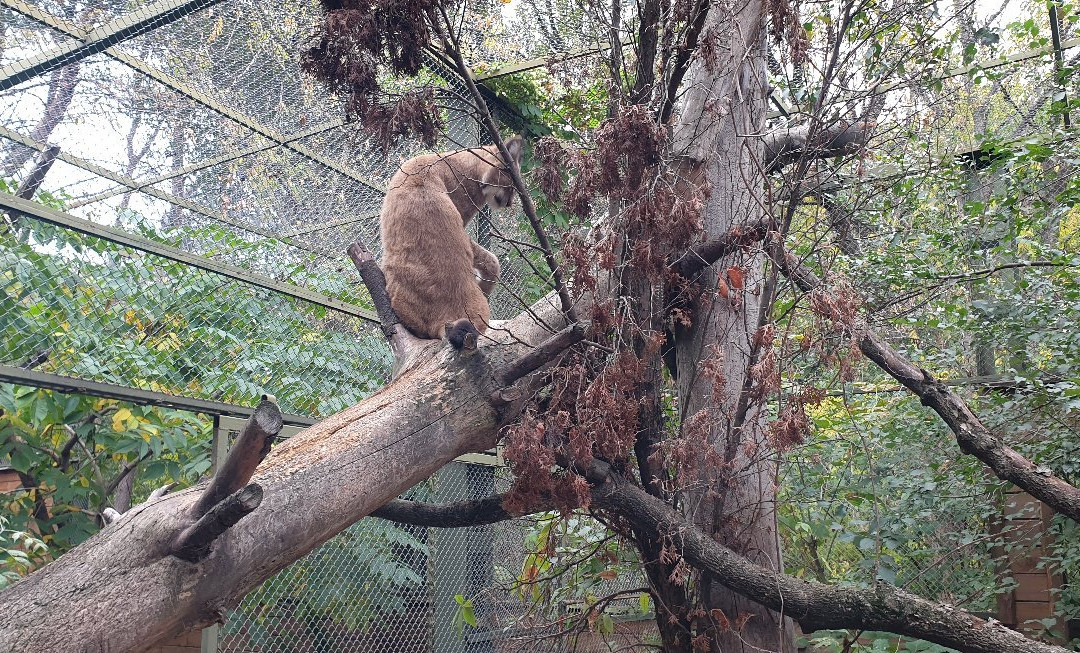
(188, 124)
(380, 586)
(192, 245)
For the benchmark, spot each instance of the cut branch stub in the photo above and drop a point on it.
(804, 142)
(250, 448)
(193, 543)
(402, 343)
(375, 281)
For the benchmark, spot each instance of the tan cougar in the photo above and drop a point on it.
(428, 259)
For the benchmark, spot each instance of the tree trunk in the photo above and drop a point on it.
(122, 591)
(735, 503)
(62, 85)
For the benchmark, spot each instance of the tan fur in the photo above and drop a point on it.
(428, 258)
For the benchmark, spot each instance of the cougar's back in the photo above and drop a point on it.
(427, 256)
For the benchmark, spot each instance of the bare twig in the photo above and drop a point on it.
(160, 492)
(985, 272)
(124, 471)
(73, 437)
(451, 48)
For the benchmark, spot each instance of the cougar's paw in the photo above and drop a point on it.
(462, 334)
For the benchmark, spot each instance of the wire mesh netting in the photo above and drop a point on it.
(206, 135)
(192, 128)
(385, 587)
(189, 124)
(85, 307)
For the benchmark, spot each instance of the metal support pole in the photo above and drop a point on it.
(1059, 62)
(208, 638)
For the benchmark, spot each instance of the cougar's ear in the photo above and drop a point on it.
(515, 146)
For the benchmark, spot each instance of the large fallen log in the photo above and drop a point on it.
(134, 583)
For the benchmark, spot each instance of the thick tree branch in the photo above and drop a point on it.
(450, 47)
(647, 40)
(971, 434)
(702, 256)
(542, 354)
(814, 605)
(65, 451)
(34, 179)
(41, 509)
(121, 498)
(785, 147)
(458, 514)
(193, 543)
(246, 454)
(683, 58)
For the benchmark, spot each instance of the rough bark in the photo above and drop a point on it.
(735, 504)
(313, 486)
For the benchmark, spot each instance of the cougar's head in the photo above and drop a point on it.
(498, 186)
